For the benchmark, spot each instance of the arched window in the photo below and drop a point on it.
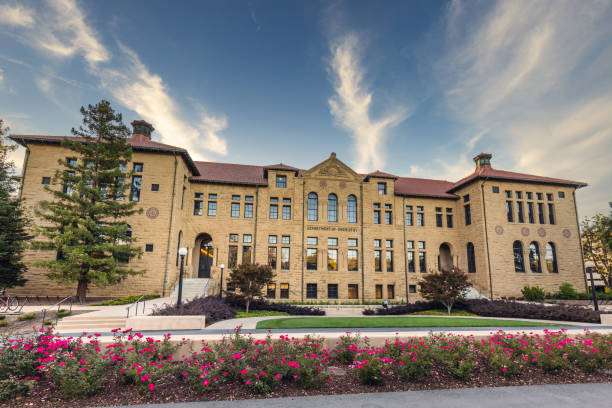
(351, 209)
(332, 208)
(313, 207)
(471, 257)
(519, 262)
(551, 258)
(534, 257)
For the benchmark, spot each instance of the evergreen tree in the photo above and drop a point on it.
(85, 222)
(250, 279)
(13, 224)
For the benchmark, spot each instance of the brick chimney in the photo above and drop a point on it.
(142, 129)
(483, 160)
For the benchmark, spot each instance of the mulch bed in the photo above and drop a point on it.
(342, 381)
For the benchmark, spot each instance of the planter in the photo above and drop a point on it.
(165, 322)
(606, 319)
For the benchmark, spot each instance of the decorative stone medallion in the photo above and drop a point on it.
(152, 213)
(499, 230)
(525, 231)
(322, 183)
(567, 233)
(541, 232)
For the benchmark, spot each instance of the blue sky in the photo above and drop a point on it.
(411, 87)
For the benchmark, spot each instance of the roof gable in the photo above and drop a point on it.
(332, 168)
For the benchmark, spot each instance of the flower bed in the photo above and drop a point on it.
(51, 371)
(263, 304)
(501, 308)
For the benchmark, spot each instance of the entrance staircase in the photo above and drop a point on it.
(192, 288)
(90, 324)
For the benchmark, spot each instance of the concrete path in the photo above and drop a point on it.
(541, 396)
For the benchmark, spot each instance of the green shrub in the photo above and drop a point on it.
(414, 367)
(533, 293)
(16, 362)
(75, 379)
(126, 300)
(27, 316)
(12, 388)
(567, 292)
(369, 371)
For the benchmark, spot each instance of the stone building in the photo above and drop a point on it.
(329, 233)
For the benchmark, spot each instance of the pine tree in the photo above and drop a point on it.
(13, 223)
(86, 221)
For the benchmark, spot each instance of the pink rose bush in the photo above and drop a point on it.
(78, 367)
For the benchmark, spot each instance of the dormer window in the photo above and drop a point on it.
(281, 181)
(382, 188)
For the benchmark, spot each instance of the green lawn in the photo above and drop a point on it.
(390, 322)
(259, 313)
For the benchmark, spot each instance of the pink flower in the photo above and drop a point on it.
(205, 382)
(237, 356)
(293, 364)
(244, 371)
(278, 376)
(151, 387)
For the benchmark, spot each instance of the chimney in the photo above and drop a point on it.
(483, 160)
(142, 128)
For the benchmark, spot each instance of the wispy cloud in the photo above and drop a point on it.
(533, 80)
(16, 15)
(351, 105)
(65, 32)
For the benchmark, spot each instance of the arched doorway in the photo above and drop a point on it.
(206, 254)
(445, 257)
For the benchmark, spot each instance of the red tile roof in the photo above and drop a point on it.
(488, 172)
(229, 173)
(417, 187)
(138, 142)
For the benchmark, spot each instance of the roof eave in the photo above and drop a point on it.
(562, 183)
(438, 196)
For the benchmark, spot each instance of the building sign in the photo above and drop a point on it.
(326, 228)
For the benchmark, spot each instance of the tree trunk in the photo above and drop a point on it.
(82, 290)
(449, 306)
(248, 303)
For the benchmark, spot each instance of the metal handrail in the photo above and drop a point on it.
(139, 300)
(58, 304)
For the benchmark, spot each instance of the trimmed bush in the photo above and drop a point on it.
(567, 292)
(262, 304)
(533, 293)
(212, 307)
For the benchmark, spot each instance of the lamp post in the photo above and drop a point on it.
(590, 271)
(182, 253)
(222, 266)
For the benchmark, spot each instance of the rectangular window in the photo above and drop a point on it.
(286, 239)
(154, 187)
(529, 195)
(508, 194)
(390, 291)
(247, 238)
(352, 242)
(135, 189)
(520, 214)
(388, 214)
(389, 260)
(467, 211)
(246, 254)
(248, 210)
(311, 290)
(286, 211)
(420, 216)
(235, 197)
(332, 291)
(272, 257)
(561, 194)
(198, 204)
(233, 237)
(379, 291)
(353, 291)
(376, 219)
(332, 259)
(285, 264)
(388, 243)
(138, 168)
(272, 239)
(466, 198)
(410, 260)
(232, 256)
(495, 189)
(212, 208)
(284, 291)
(409, 216)
(235, 210)
(382, 188)
(540, 196)
(509, 211)
(312, 241)
(422, 258)
(273, 213)
(551, 213)
(377, 260)
(332, 241)
(148, 247)
(438, 216)
(353, 261)
(46, 181)
(549, 196)
(412, 289)
(530, 214)
(271, 291)
(281, 181)
(449, 218)
(519, 195)
(377, 243)
(311, 259)
(541, 218)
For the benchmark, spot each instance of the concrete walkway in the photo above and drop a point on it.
(541, 396)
